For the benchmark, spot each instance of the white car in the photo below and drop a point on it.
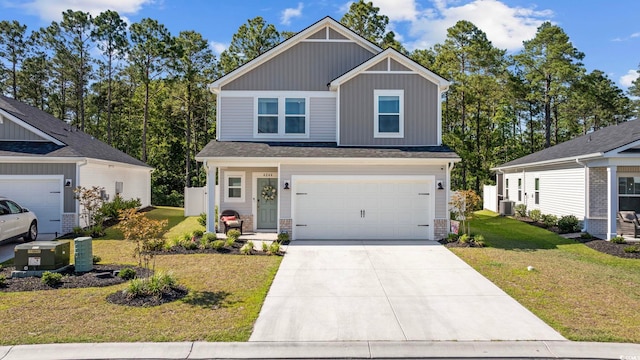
(16, 222)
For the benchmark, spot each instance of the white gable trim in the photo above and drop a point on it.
(617, 152)
(4, 114)
(326, 23)
(388, 54)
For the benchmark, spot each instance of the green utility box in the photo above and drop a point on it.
(42, 255)
(83, 254)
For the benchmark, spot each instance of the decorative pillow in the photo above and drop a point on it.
(228, 218)
(628, 215)
(233, 223)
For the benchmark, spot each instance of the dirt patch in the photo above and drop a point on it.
(101, 275)
(172, 294)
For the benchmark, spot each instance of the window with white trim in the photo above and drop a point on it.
(536, 194)
(388, 114)
(506, 189)
(629, 193)
(234, 186)
(282, 116)
(519, 189)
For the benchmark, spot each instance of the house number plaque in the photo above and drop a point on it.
(267, 175)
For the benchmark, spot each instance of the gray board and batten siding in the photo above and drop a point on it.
(68, 170)
(421, 99)
(238, 114)
(12, 131)
(306, 66)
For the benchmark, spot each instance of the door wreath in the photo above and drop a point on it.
(269, 192)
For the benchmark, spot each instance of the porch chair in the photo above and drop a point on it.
(231, 220)
(627, 223)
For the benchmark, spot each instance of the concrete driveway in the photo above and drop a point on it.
(389, 291)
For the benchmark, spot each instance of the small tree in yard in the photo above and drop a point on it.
(91, 202)
(465, 202)
(144, 231)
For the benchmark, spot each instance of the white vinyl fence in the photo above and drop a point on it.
(490, 197)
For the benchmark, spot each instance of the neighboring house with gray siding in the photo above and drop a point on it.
(42, 159)
(592, 177)
(327, 136)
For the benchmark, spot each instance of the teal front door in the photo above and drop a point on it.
(267, 203)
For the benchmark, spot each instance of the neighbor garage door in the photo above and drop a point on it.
(363, 207)
(41, 195)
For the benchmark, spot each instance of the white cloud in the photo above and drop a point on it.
(506, 27)
(289, 13)
(217, 47)
(397, 10)
(627, 79)
(52, 10)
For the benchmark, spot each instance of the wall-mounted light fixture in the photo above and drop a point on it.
(440, 185)
(285, 185)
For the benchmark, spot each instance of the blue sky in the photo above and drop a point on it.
(608, 32)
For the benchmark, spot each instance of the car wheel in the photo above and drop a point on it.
(32, 234)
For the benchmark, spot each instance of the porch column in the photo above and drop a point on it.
(212, 171)
(612, 203)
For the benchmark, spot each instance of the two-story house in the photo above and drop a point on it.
(327, 136)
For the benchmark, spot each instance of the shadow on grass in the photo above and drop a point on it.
(510, 234)
(208, 299)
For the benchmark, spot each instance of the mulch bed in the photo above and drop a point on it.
(70, 279)
(610, 248)
(173, 294)
(457, 244)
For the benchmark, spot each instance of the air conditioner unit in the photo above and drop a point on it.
(507, 208)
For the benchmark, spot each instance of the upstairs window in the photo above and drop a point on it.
(267, 116)
(282, 117)
(388, 113)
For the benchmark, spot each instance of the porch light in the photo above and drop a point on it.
(440, 185)
(286, 185)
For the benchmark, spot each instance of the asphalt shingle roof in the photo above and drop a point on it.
(77, 143)
(600, 141)
(319, 150)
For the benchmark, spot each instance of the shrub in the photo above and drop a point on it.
(549, 220)
(568, 223)
(95, 231)
(618, 240)
(127, 273)
(586, 236)
(521, 210)
(112, 209)
(197, 233)
(151, 286)
(229, 242)
(209, 236)
(535, 215)
(202, 219)
(479, 240)
(51, 279)
(235, 234)
(283, 236)
(155, 244)
(77, 230)
(3, 281)
(96, 259)
(265, 247)
(247, 248)
(464, 238)
(632, 249)
(190, 245)
(217, 244)
(451, 237)
(274, 248)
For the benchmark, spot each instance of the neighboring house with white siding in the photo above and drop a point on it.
(592, 177)
(42, 160)
(327, 136)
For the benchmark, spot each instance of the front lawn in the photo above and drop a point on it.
(225, 296)
(584, 294)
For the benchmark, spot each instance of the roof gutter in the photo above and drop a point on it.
(550, 162)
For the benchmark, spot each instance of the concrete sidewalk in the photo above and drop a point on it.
(302, 350)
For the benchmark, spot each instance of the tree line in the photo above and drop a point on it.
(144, 90)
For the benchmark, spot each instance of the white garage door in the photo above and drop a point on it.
(43, 196)
(363, 207)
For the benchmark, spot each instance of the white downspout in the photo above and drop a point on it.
(77, 210)
(585, 223)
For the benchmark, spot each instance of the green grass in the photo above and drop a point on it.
(226, 293)
(584, 294)
(174, 215)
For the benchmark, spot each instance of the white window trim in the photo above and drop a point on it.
(281, 116)
(376, 132)
(241, 175)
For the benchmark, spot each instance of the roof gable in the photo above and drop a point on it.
(392, 62)
(325, 30)
(12, 125)
(63, 141)
(607, 141)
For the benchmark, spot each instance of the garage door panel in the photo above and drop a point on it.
(40, 195)
(365, 208)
